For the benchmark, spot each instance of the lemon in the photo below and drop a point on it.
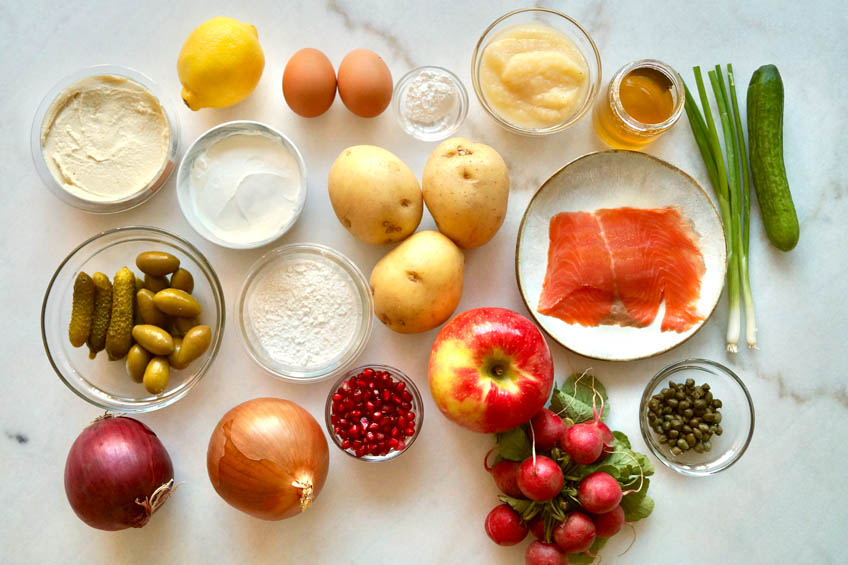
(220, 63)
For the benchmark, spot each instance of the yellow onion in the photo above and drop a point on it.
(268, 457)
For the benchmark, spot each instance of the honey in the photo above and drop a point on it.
(643, 100)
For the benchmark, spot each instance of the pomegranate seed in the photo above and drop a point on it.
(369, 372)
(409, 432)
(401, 445)
(346, 444)
(377, 416)
(400, 386)
(393, 443)
(353, 432)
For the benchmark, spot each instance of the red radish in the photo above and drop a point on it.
(606, 437)
(537, 527)
(540, 478)
(505, 526)
(599, 492)
(576, 534)
(541, 553)
(583, 443)
(609, 523)
(548, 429)
(505, 474)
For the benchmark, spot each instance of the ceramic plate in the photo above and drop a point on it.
(613, 179)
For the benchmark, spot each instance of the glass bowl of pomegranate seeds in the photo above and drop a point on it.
(374, 412)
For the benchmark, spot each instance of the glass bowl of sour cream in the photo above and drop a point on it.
(536, 71)
(305, 312)
(242, 184)
(104, 139)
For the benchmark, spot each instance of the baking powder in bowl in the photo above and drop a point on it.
(246, 188)
(304, 312)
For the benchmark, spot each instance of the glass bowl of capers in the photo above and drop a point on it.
(133, 318)
(697, 417)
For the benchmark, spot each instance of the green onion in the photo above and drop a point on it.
(728, 174)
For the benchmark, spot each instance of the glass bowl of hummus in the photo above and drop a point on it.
(104, 139)
(105, 383)
(536, 71)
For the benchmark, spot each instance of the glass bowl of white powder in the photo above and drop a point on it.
(430, 103)
(305, 312)
(242, 184)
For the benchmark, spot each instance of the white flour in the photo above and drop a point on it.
(305, 313)
(429, 98)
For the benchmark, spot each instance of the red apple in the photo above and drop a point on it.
(490, 370)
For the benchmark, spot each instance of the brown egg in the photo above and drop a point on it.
(309, 83)
(365, 83)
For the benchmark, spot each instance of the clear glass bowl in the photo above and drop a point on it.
(358, 340)
(737, 417)
(560, 22)
(416, 402)
(111, 206)
(200, 145)
(440, 129)
(106, 383)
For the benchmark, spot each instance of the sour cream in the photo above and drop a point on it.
(246, 187)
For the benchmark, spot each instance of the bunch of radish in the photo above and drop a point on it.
(557, 491)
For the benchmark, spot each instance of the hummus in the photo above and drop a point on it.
(105, 138)
(534, 76)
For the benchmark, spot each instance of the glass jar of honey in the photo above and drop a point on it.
(642, 101)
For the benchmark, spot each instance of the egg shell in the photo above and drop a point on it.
(365, 83)
(309, 83)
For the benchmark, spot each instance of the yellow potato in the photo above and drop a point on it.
(418, 284)
(466, 188)
(374, 194)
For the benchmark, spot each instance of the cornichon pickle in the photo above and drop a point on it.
(176, 302)
(148, 311)
(119, 334)
(102, 314)
(156, 375)
(180, 326)
(155, 284)
(182, 280)
(137, 360)
(154, 339)
(82, 309)
(194, 344)
(157, 263)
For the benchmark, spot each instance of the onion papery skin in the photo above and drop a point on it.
(260, 451)
(113, 469)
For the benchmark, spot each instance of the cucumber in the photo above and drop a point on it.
(765, 130)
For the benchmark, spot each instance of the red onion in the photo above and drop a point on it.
(117, 474)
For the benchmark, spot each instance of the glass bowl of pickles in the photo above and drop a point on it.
(133, 318)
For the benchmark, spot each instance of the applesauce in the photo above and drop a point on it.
(533, 75)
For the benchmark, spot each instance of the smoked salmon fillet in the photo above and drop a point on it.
(616, 266)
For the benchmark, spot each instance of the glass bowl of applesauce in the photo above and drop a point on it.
(536, 71)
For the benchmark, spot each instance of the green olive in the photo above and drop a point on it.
(176, 302)
(156, 375)
(174, 357)
(194, 344)
(148, 311)
(154, 339)
(137, 360)
(182, 280)
(155, 284)
(180, 326)
(157, 263)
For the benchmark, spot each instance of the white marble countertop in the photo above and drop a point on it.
(428, 506)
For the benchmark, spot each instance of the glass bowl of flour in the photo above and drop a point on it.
(305, 312)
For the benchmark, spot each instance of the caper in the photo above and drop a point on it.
(682, 444)
(717, 430)
(716, 403)
(717, 417)
(707, 446)
(684, 404)
(666, 426)
(676, 424)
(700, 404)
(690, 383)
(697, 392)
(654, 405)
(652, 417)
(686, 429)
(710, 418)
(707, 435)
(659, 429)
(690, 439)
(673, 385)
(668, 417)
(694, 422)
(705, 386)
(699, 447)
(698, 435)
(674, 434)
(676, 450)
(666, 392)
(666, 410)
(708, 397)
(688, 413)
(662, 439)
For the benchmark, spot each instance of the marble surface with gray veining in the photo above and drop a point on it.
(783, 502)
